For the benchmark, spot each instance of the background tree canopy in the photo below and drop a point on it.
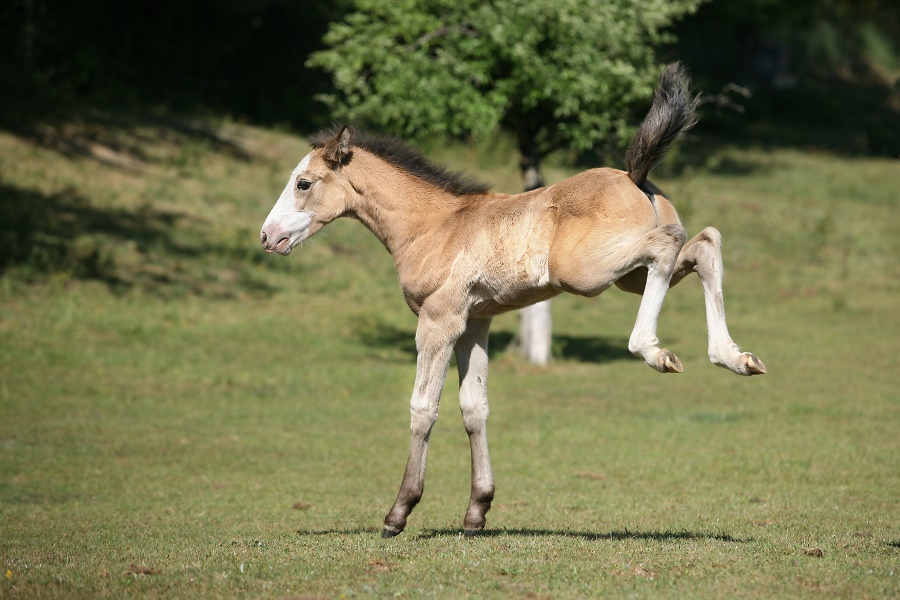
(247, 59)
(554, 73)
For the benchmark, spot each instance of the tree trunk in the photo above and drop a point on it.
(536, 332)
(535, 322)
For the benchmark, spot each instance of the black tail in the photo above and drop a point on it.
(671, 114)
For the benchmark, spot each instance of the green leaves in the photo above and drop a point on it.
(558, 73)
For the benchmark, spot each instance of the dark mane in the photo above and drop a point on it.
(404, 156)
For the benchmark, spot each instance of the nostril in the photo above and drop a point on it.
(263, 237)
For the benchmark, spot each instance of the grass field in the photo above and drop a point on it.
(182, 415)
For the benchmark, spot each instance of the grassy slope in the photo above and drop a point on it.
(183, 415)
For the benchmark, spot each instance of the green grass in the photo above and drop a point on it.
(184, 416)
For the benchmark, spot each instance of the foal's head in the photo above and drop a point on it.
(314, 196)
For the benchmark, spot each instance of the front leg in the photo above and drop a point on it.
(435, 337)
(472, 361)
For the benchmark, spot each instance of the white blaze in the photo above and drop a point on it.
(285, 218)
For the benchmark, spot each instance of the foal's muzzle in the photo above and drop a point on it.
(278, 243)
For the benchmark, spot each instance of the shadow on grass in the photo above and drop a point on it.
(591, 349)
(122, 140)
(377, 334)
(353, 531)
(63, 233)
(42, 232)
(657, 536)
(588, 349)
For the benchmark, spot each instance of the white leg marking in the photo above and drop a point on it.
(705, 251)
(643, 341)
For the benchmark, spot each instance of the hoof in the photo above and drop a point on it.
(752, 364)
(668, 363)
(389, 532)
(473, 532)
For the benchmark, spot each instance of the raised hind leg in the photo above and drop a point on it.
(703, 254)
(472, 360)
(588, 268)
(663, 245)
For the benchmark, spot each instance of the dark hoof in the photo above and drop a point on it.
(389, 532)
(473, 532)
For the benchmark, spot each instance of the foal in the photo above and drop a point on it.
(464, 255)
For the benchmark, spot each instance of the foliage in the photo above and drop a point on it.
(555, 73)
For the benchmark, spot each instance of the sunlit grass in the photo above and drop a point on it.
(183, 415)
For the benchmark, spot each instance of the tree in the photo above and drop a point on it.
(556, 74)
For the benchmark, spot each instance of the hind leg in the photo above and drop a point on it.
(590, 267)
(662, 249)
(703, 254)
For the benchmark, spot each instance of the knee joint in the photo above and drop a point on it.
(422, 420)
(474, 418)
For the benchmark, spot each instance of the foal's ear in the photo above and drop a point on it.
(338, 148)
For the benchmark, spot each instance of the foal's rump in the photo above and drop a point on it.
(599, 213)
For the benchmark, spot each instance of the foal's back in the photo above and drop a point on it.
(509, 250)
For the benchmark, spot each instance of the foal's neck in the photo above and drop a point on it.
(393, 204)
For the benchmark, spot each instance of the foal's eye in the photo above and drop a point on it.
(303, 184)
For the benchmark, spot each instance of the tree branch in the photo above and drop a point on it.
(723, 100)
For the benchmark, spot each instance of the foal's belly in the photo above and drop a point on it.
(490, 307)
